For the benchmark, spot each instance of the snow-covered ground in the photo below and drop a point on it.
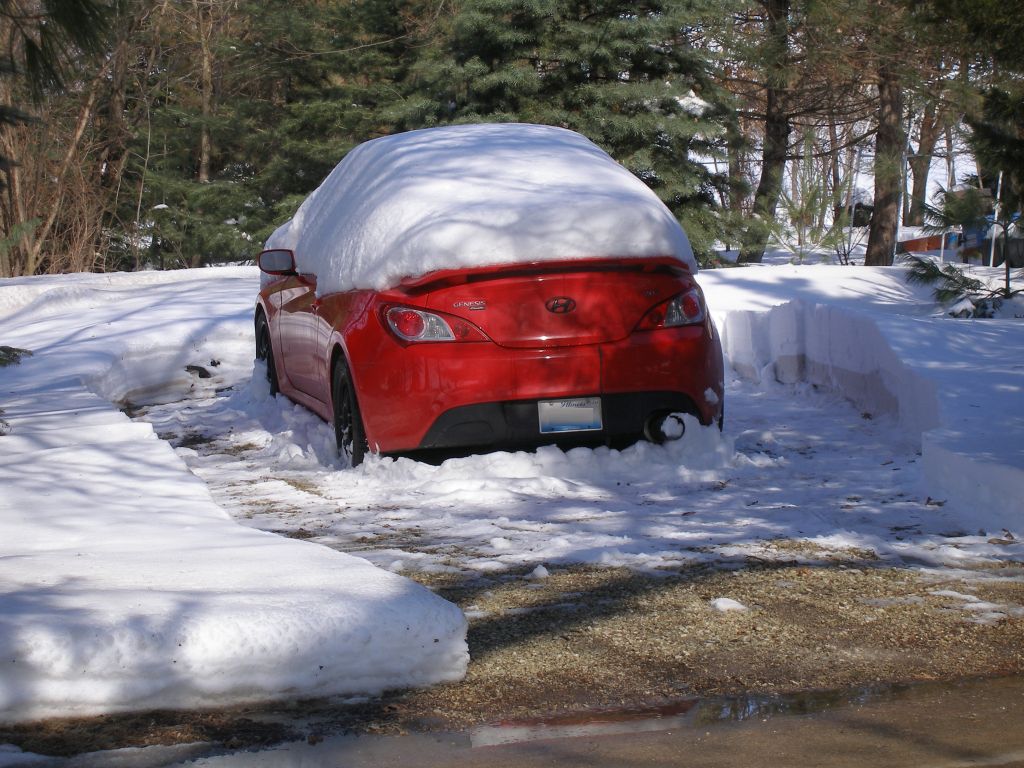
(122, 583)
(125, 582)
(954, 387)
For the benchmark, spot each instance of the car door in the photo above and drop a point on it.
(333, 318)
(297, 333)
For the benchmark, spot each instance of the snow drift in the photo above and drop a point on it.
(835, 348)
(124, 586)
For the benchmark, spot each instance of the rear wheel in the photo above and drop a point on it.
(265, 352)
(348, 423)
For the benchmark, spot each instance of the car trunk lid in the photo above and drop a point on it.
(543, 306)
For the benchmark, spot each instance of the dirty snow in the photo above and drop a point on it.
(473, 195)
(115, 553)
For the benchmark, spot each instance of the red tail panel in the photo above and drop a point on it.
(580, 304)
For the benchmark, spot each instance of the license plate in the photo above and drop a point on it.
(578, 414)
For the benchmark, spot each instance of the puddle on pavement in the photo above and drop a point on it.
(939, 725)
(689, 713)
(977, 722)
(593, 723)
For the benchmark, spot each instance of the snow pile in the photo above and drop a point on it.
(538, 573)
(953, 385)
(122, 584)
(831, 346)
(473, 195)
(129, 337)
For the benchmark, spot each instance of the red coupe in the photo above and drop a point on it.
(562, 347)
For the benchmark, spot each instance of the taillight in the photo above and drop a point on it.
(416, 325)
(685, 309)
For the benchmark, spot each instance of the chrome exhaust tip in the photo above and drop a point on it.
(662, 428)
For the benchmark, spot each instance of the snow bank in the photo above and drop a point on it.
(990, 486)
(951, 385)
(122, 584)
(833, 347)
(473, 195)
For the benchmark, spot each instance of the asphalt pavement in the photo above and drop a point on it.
(947, 725)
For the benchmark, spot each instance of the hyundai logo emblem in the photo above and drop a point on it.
(560, 305)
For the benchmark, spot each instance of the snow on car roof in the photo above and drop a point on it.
(472, 196)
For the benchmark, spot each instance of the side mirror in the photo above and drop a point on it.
(277, 261)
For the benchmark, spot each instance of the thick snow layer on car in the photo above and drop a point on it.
(123, 585)
(473, 195)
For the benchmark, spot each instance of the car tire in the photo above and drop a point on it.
(348, 423)
(265, 352)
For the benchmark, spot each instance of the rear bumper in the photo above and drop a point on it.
(516, 423)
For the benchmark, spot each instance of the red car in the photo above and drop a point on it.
(579, 350)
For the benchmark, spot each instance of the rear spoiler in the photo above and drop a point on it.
(445, 278)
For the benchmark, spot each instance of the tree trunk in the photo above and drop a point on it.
(13, 211)
(833, 161)
(889, 148)
(735, 155)
(204, 27)
(950, 158)
(920, 163)
(737, 181)
(776, 132)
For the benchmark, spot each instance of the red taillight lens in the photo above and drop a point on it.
(417, 325)
(691, 306)
(407, 323)
(685, 309)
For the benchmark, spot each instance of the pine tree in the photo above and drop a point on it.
(988, 33)
(626, 75)
(993, 31)
(793, 67)
(38, 45)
